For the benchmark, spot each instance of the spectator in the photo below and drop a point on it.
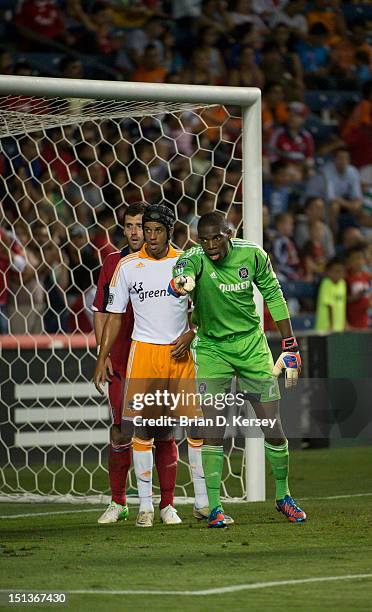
(172, 59)
(339, 184)
(247, 74)
(314, 210)
(207, 41)
(151, 70)
(314, 57)
(274, 109)
(55, 278)
(350, 237)
(292, 142)
(330, 16)
(277, 192)
(313, 254)
(280, 36)
(12, 260)
(344, 61)
(139, 39)
(71, 67)
(292, 15)
(284, 249)
(242, 13)
(331, 302)
(216, 14)
(199, 72)
(357, 129)
(27, 306)
(42, 19)
(358, 288)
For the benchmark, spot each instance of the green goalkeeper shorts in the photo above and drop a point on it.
(246, 356)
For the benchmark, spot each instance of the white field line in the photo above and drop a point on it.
(218, 591)
(30, 514)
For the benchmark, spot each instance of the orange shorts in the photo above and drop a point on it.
(157, 385)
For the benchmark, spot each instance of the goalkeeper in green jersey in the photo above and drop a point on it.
(219, 275)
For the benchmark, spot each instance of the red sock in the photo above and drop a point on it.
(166, 458)
(120, 459)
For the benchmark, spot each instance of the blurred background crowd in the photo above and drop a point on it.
(64, 191)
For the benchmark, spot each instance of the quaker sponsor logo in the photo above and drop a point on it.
(243, 273)
(234, 286)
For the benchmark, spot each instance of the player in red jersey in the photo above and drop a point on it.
(358, 288)
(120, 449)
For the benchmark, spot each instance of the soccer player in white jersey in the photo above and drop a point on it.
(159, 352)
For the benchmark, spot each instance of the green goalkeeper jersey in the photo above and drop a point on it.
(223, 294)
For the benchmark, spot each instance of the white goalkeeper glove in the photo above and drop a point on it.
(290, 360)
(181, 285)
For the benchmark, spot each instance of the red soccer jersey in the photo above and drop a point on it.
(284, 145)
(357, 312)
(120, 349)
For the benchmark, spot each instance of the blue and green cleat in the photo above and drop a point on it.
(216, 519)
(289, 508)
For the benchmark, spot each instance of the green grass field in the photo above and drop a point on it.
(65, 549)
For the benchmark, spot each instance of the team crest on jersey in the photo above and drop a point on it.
(110, 300)
(140, 265)
(243, 273)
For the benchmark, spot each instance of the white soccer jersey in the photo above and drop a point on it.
(159, 318)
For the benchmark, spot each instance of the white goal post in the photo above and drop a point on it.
(118, 99)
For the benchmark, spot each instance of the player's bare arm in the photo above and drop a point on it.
(99, 320)
(109, 335)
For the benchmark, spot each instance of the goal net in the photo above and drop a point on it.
(73, 156)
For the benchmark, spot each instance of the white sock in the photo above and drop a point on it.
(200, 489)
(143, 464)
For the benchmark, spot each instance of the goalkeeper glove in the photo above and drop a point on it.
(181, 285)
(289, 359)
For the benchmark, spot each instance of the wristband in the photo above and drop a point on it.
(290, 344)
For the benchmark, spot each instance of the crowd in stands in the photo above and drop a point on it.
(63, 197)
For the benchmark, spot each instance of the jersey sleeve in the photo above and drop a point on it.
(324, 295)
(189, 264)
(119, 291)
(102, 292)
(267, 283)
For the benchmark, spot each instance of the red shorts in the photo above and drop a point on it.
(115, 393)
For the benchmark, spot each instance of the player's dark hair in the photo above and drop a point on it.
(358, 248)
(310, 200)
(137, 208)
(335, 261)
(213, 219)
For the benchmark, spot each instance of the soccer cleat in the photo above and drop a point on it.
(203, 513)
(145, 519)
(289, 508)
(217, 519)
(113, 514)
(169, 516)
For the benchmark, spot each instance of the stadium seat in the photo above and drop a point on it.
(352, 12)
(303, 322)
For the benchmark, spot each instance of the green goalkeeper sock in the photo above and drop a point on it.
(212, 458)
(278, 457)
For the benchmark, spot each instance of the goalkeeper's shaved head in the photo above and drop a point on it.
(213, 219)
